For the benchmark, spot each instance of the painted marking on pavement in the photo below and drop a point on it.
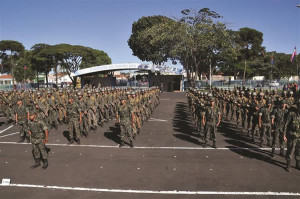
(165, 99)
(6, 129)
(156, 120)
(9, 134)
(174, 192)
(141, 147)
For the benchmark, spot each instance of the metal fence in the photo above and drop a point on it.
(265, 85)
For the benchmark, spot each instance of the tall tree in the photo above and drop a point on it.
(10, 53)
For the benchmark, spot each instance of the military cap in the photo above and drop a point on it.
(89, 92)
(284, 92)
(133, 93)
(97, 91)
(122, 98)
(269, 101)
(291, 92)
(79, 93)
(209, 95)
(242, 92)
(261, 93)
(254, 94)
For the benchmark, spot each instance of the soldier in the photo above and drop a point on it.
(74, 117)
(21, 118)
(51, 113)
(124, 119)
(39, 137)
(61, 106)
(265, 123)
(84, 126)
(279, 115)
(91, 110)
(292, 136)
(211, 119)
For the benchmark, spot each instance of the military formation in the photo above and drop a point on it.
(271, 118)
(84, 110)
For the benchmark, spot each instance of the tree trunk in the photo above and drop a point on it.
(46, 78)
(37, 79)
(56, 78)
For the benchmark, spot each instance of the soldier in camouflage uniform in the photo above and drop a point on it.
(124, 119)
(265, 123)
(292, 136)
(61, 106)
(279, 115)
(39, 137)
(51, 110)
(211, 120)
(91, 110)
(22, 117)
(74, 118)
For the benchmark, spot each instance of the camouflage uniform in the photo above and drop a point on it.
(292, 129)
(37, 129)
(124, 115)
(73, 114)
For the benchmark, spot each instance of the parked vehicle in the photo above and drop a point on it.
(274, 84)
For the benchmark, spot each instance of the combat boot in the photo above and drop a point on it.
(121, 144)
(78, 141)
(21, 139)
(28, 139)
(205, 144)
(298, 164)
(36, 164)
(281, 152)
(261, 143)
(273, 153)
(71, 141)
(45, 164)
(288, 165)
(215, 144)
(131, 144)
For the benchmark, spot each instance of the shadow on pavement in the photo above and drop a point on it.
(183, 126)
(239, 139)
(113, 134)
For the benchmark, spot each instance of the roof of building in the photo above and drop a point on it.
(5, 77)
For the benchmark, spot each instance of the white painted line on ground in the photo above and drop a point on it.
(157, 120)
(9, 134)
(165, 99)
(6, 129)
(175, 192)
(141, 147)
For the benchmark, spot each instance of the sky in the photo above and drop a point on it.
(106, 24)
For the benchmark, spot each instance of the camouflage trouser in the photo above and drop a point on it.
(52, 118)
(278, 134)
(210, 129)
(106, 113)
(126, 131)
(84, 126)
(9, 114)
(249, 121)
(92, 119)
(74, 126)
(293, 146)
(38, 149)
(254, 125)
(238, 115)
(228, 107)
(24, 129)
(61, 113)
(244, 117)
(265, 130)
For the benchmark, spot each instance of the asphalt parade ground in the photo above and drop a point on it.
(168, 161)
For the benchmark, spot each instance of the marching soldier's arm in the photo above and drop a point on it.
(80, 117)
(219, 119)
(16, 118)
(203, 119)
(46, 136)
